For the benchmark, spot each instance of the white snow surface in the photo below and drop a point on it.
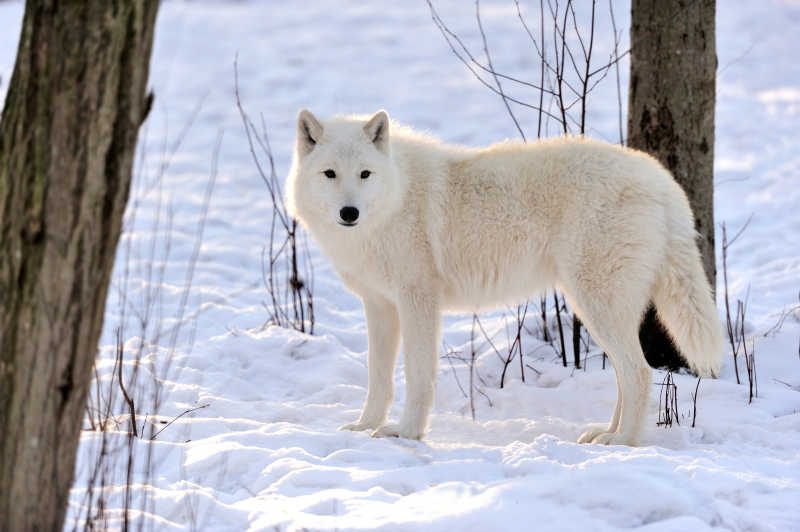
(266, 453)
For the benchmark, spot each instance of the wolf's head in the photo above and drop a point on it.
(342, 177)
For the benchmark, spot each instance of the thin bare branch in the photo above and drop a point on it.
(494, 74)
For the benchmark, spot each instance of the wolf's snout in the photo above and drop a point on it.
(349, 215)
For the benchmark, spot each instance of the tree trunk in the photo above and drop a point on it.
(67, 141)
(671, 116)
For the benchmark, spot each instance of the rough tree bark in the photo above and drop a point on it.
(671, 115)
(67, 140)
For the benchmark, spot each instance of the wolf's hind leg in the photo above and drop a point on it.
(621, 341)
(612, 313)
(633, 377)
(596, 429)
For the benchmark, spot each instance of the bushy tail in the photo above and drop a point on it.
(683, 300)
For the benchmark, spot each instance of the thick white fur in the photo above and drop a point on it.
(445, 228)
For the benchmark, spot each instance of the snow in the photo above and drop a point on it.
(265, 452)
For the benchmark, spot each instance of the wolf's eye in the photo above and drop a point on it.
(330, 174)
(365, 174)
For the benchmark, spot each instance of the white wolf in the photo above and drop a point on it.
(415, 228)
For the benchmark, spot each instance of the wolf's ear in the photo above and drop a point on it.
(309, 131)
(377, 130)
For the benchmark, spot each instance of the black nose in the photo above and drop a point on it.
(349, 214)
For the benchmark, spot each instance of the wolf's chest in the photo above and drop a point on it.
(365, 262)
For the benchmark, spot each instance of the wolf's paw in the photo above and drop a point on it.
(604, 437)
(358, 426)
(614, 438)
(592, 432)
(397, 430)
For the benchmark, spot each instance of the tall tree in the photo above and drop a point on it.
(67, 141)
(671, 115)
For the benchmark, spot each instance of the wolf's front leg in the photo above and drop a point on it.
(383, 333)
(420, 326)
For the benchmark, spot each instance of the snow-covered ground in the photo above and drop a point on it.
(266, 454)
